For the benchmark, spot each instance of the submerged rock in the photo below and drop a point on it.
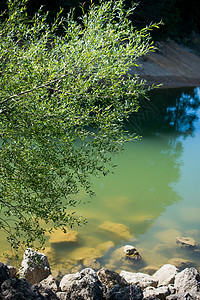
(70, 236)
(83, 253)
(186, 242)
(180, 263)
(35, 266)
(119, 229)
(104, 247)
(91, 263)
(149, 270)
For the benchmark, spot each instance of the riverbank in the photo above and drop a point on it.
(172, 65)
(34, 281)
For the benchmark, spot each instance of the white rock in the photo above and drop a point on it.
(129, 250)
(83, 285)
(35, 266)
(161, 292)
(165, 275)
(144, 280)
(51, 282)
(187, 281)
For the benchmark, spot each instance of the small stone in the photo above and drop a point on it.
(131, 252)
(165, 275)
(62, 296)
(185, 242)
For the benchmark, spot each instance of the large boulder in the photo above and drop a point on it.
(187, 281)
(165, 275)
(111, 278)
(83, 285)
(186, 242)
(35, 266)
(18, 289)
(143, 280)
(125, 293)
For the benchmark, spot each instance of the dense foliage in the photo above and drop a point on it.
(62, 105)
(180, 17)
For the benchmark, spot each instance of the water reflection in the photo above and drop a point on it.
(143, 187)
(146, 177)
(168, 111)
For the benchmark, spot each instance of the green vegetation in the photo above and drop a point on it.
(62, 106)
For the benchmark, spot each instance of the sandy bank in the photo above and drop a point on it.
(172, 65)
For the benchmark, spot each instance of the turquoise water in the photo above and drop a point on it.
(154, 193)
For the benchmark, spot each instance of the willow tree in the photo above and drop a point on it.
(63, 101)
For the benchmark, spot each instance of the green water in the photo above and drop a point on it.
(154, 191)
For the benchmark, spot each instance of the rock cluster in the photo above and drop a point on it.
(36, 282)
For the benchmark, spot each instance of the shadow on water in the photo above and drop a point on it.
(169, 111)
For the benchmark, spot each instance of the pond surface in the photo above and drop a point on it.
(152, 198)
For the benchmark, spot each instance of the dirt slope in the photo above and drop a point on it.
(172, 65)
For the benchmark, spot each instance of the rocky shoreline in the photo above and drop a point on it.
(34, 281)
